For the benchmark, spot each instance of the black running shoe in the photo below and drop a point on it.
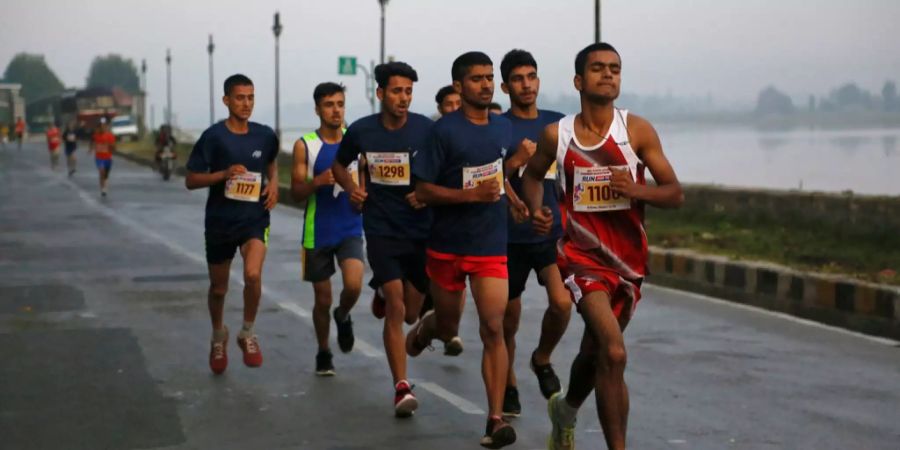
(324, 366)
(498, 434)
(511, 405)
(344, 332)
(547, 379)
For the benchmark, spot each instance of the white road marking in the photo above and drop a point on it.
(455, 400)
(781, 315)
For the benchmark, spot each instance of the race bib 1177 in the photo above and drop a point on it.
(244, 187)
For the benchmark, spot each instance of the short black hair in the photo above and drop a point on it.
(443, 93)
(236, 80)
(513, 59)
(326, 89)
(384, 72)
(495, 105)
(463, 62)
(581, 57)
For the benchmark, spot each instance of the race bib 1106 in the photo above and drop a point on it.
(592, 192)
(473, 176)
(244, 187)
(389, 168)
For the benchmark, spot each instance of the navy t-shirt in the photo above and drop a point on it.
(218, 149)
(389, 156)
(523, 233)
(456, 145)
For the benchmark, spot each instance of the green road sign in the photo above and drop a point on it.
(346, 65)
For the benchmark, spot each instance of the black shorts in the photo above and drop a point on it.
(221, 246)
(397, 259)
(523, 258)
(318, 263)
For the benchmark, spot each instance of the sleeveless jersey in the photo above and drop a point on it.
(329, 218)
(597, 222)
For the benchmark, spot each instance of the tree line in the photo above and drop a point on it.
(848, 97)
(39, 81)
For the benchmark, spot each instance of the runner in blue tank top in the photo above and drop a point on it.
(332, 227)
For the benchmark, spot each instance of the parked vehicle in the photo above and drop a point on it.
(123, 127)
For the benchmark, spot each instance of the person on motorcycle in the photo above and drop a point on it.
(165, 138)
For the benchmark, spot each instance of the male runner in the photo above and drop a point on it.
(53, 141)
(602, 152)
(332, 227)
(447, 100)
(20, 131)
(70, 140)
(236, 159)
(495, 108)
(526, 249)
(103, 144)
(460, 174)
(396, 222)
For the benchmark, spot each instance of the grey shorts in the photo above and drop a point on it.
(318, 263)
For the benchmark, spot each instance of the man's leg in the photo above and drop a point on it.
(215, 300)
(510, 327)
(394, 340)
(414, 302)
(490, 296)
(254, 253)
(322, 312)
(352, 276)
(556, 317)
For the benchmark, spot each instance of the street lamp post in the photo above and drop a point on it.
(168, 87)
(209, 48)
(276, 29)
(142, 123)
(596, 20)
(383, 4)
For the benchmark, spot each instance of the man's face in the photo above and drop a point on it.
(240, 101)
(477, 86)
(396, 96)
(522, 86)
(331, 110)
(602, 77)
(450, 103)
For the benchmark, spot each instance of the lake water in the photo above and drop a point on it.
(865, 161)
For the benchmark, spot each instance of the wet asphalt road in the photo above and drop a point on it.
(104, 342)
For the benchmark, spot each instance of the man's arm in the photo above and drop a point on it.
(524, 151)
(197, 180)
(533, 179)
(667, 192)
(301, 187)
(433, 194)
(271, 193)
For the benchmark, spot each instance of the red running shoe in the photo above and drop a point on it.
(218, 355)
(252, 354)
(405, 402)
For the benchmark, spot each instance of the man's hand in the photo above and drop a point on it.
(622, 183)
(414, 201)
(358, 197)
(235, 169)
(542, 221)
(487, 192)
(517, 207)
(271, 195)
(524, 152)
(325, 178)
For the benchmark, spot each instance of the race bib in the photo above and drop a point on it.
(353, 168)
(551, 171)
(244, 187)
(592, 192)
(391, 169)
(473, 176)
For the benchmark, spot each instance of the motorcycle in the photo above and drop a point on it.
(166, 162)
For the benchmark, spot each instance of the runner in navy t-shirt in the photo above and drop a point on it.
(235, 159)
(460, 174)
(528, 250)
(395, 222)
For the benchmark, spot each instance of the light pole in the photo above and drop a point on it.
(383, 4)
(276, 28)
(596, 20)
(168, 87)
(209, 48)
(142, 124)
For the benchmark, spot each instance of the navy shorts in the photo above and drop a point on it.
(221, 246)
(104, 164)
(523, 258)
(318, 263)
(397, 259)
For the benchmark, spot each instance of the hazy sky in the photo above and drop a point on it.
(728, 48)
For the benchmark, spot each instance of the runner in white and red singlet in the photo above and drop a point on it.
(602, 255)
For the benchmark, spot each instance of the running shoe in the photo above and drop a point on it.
(453, 347)
(405, 402)
(324, 365)
(511, 405)
(378, 305)
(562, 436)
(218, 355)
(344, 332)
(547, 379)
(250, 347)
(498, 433)
(414, 344)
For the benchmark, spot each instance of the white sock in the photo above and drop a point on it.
(246, 330)
(220, 335)
(567, 413)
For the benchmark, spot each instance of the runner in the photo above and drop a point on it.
(235, 158)
(447, 100)
(527, 250)
(53, 141)
(396, 223)
(103, 144)
(603, 252)
(71, 144)
(495, 108)
(332, 228)
(460, 173)
(20, 131)
(4, 134)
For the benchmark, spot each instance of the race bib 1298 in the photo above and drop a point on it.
(389, 168)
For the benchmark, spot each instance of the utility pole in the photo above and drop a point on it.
(276, 29)
(383, 4)
(596, 20)
(168, 87)
(142, 123)
(209, 48)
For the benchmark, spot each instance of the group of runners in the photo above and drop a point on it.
(473, 196)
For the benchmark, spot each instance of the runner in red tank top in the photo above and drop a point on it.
(603, 252)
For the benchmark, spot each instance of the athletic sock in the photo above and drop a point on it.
(567, 413)
(246, 330)
(220, 335)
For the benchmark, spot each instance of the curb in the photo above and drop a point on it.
(860, 306)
